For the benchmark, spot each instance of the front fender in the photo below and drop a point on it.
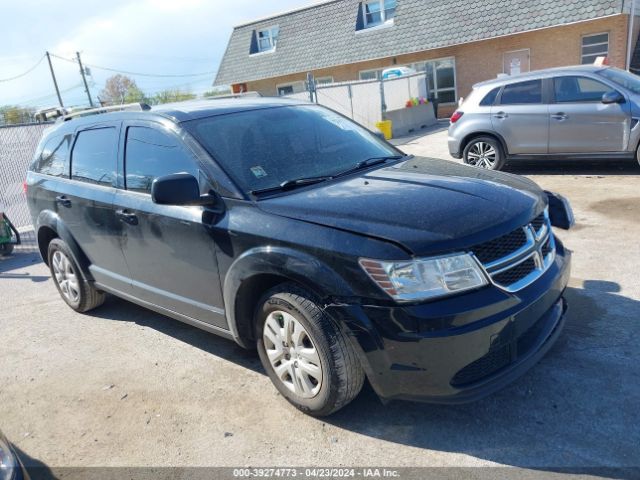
(51, 220)
(299, 267)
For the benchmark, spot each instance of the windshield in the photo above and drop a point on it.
(622, 78)
(261, 149)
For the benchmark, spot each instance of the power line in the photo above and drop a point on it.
(46, 97)
(24, 73)
(140, 74)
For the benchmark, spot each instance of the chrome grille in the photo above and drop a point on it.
(518, 258)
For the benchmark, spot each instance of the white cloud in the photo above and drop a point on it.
(155, 36)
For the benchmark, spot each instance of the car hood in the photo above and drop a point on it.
(424, 205)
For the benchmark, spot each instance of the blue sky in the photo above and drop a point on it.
(171, 37)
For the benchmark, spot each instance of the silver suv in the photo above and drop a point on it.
(570, 113)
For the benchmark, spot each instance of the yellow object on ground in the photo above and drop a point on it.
(385, 126)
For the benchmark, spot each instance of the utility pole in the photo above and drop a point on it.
(84, 79)
(55, 83)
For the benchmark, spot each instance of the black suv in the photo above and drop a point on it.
(285, 226)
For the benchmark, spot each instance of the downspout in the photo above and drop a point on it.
(632, 17)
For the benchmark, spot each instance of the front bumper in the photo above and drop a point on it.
(462, 348)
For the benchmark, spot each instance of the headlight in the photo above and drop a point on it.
(426, 278)
(8, 462)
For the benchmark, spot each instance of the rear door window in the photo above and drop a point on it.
(529, 92)
(579, 89)
(53, 158)
(93, 159)
(152, 153)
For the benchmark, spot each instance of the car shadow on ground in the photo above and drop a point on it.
(562, 416)
(576, 409)
(17, 261)
(121, 310)
(565, 414)
(36, 469)
(573, 167)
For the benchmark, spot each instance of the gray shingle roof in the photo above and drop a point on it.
(325, 35)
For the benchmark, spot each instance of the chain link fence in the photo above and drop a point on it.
(17, 146)
(367, 101)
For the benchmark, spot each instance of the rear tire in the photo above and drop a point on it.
(484, 152)
(71, 284)
(320, 373)
(6, 249)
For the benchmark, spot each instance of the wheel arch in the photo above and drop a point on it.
(260, 269)
(49, 226)
(488, 133)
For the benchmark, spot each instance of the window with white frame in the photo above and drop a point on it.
(324, 80)
(378, 12)
(594, 46)
(267, 39)
(441, 75)
(290, 88)
(374, 74)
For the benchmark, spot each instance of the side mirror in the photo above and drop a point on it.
(612, 97)
(179, 189)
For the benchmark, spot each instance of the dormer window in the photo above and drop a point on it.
(378, 12)
(267, 39)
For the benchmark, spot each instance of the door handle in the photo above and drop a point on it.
(501, 115)
(127, 217)
(63, 200)
(560, 116)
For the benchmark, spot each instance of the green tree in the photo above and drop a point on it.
(172, 95)
(217, 92)
(120, 89)
(11, 114)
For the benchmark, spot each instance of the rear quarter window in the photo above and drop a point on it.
(52, 159)
(490, 98)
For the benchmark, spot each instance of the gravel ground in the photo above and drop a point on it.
(127, 387)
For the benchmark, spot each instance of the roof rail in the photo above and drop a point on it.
(234, 95)
(114, 108)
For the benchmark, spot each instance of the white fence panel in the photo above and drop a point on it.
(418, 86)
(299, 96)
(366, 104)
(337, 98)
(398, 91)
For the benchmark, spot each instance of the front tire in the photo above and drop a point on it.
(71, 284)
(484, 152)
(307, 357)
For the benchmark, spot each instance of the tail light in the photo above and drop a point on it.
(457, 115)
(24, 186)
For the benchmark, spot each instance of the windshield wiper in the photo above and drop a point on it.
(291, 184)
(302, 182)
(369, 162)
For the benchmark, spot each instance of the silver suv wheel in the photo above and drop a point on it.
(484, 152)
(481, 154)
(65, 276)
(292, 354)
(307, 355)
(74, 289)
